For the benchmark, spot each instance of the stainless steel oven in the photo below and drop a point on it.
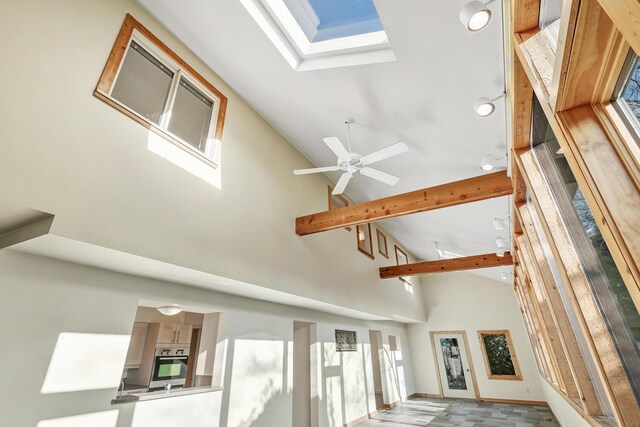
(169, 368)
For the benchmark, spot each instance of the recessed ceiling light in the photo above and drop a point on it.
(486, 164)
(484, 107)
(170, 310)
(498, 223)
(475, 15)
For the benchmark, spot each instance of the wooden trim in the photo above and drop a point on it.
(560, 318)
(512, 353)
(625, 14)
(598, 339)
(366, 229)
(380, 234)
(451, 194)
(514, 401)
(469, 358)
(396, 250)
(107, 79)
(426, 395)
(390, 405)
(446, 265)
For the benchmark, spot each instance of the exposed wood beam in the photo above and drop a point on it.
(445, 265)
(451, 194)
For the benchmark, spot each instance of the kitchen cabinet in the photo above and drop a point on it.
(136, 345)
(173, 333)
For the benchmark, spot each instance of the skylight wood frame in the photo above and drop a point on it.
(517, 376)
(574, 87)
(133, 30)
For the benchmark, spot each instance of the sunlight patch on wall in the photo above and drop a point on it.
(96, 419)
(257, 376)
(196, 410)
(355, 393)
(85, 362)
(186, 160)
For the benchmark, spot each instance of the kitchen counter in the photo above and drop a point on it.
(163, 394)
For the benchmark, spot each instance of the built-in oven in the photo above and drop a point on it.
(169, 368)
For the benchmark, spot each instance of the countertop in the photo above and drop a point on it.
(163, 394)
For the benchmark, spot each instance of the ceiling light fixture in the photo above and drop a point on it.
(484, 106)
(169, 310)
(504, 275)
(500, 252)
(476, 15)
(498, 223)
(500, 242)
(488, 162)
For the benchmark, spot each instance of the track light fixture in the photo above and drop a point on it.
(488, 162)
(485, 107)
(476, 15)
(498, 223)
(504, 275)
(500, 252)
(500, 242)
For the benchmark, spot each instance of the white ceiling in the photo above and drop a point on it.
(424, 98)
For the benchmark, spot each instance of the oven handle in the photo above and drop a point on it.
(173, 358)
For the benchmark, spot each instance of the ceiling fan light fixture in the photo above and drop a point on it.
(475, 15)
(170, 310)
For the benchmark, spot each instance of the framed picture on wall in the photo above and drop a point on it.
(346, 340)
(363, 236)
(499, 355)
(336, 202)
(382, 243)
(402, 259)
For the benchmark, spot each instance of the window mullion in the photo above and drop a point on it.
(171, 98)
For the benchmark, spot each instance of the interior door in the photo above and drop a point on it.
(453, 364)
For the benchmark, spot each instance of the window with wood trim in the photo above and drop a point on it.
(382, 243)
(610, 292)
(627, 95)
(365, 242)
(499, 355)
(147, 81)
(337, 201)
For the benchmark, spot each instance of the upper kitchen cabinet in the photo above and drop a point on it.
(173, 333)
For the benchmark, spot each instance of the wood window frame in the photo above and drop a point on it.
(130, 29)
(381, 234)
(396, 250)
(366, 229)
(340, 197)
(512, 352)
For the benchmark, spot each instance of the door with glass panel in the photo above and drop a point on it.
(453, 364)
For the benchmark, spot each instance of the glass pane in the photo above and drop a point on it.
(612, 295)
(631, 91)
(191, 115)
(498, 354)
(143, 83)
(571, 314)
(453, 363)
(549, 22)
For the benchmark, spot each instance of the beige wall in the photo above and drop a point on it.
(65, 152)
(467, 302)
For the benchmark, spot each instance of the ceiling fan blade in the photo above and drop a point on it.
(342, 184)
(387, 178)
(336, 146)
(316, 170)
(385, 153)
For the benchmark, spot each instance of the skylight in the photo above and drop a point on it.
(333, 19)
(315, 34)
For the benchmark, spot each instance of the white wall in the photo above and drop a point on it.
(463, 301)
(68, 153)
(564, 413)
(42, 298)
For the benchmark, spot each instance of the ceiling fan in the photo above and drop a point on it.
(351, 162)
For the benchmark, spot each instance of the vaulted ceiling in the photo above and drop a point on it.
(424, 98)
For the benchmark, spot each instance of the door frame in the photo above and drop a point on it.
(467, 350)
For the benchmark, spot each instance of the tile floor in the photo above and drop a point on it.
(465, 413)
